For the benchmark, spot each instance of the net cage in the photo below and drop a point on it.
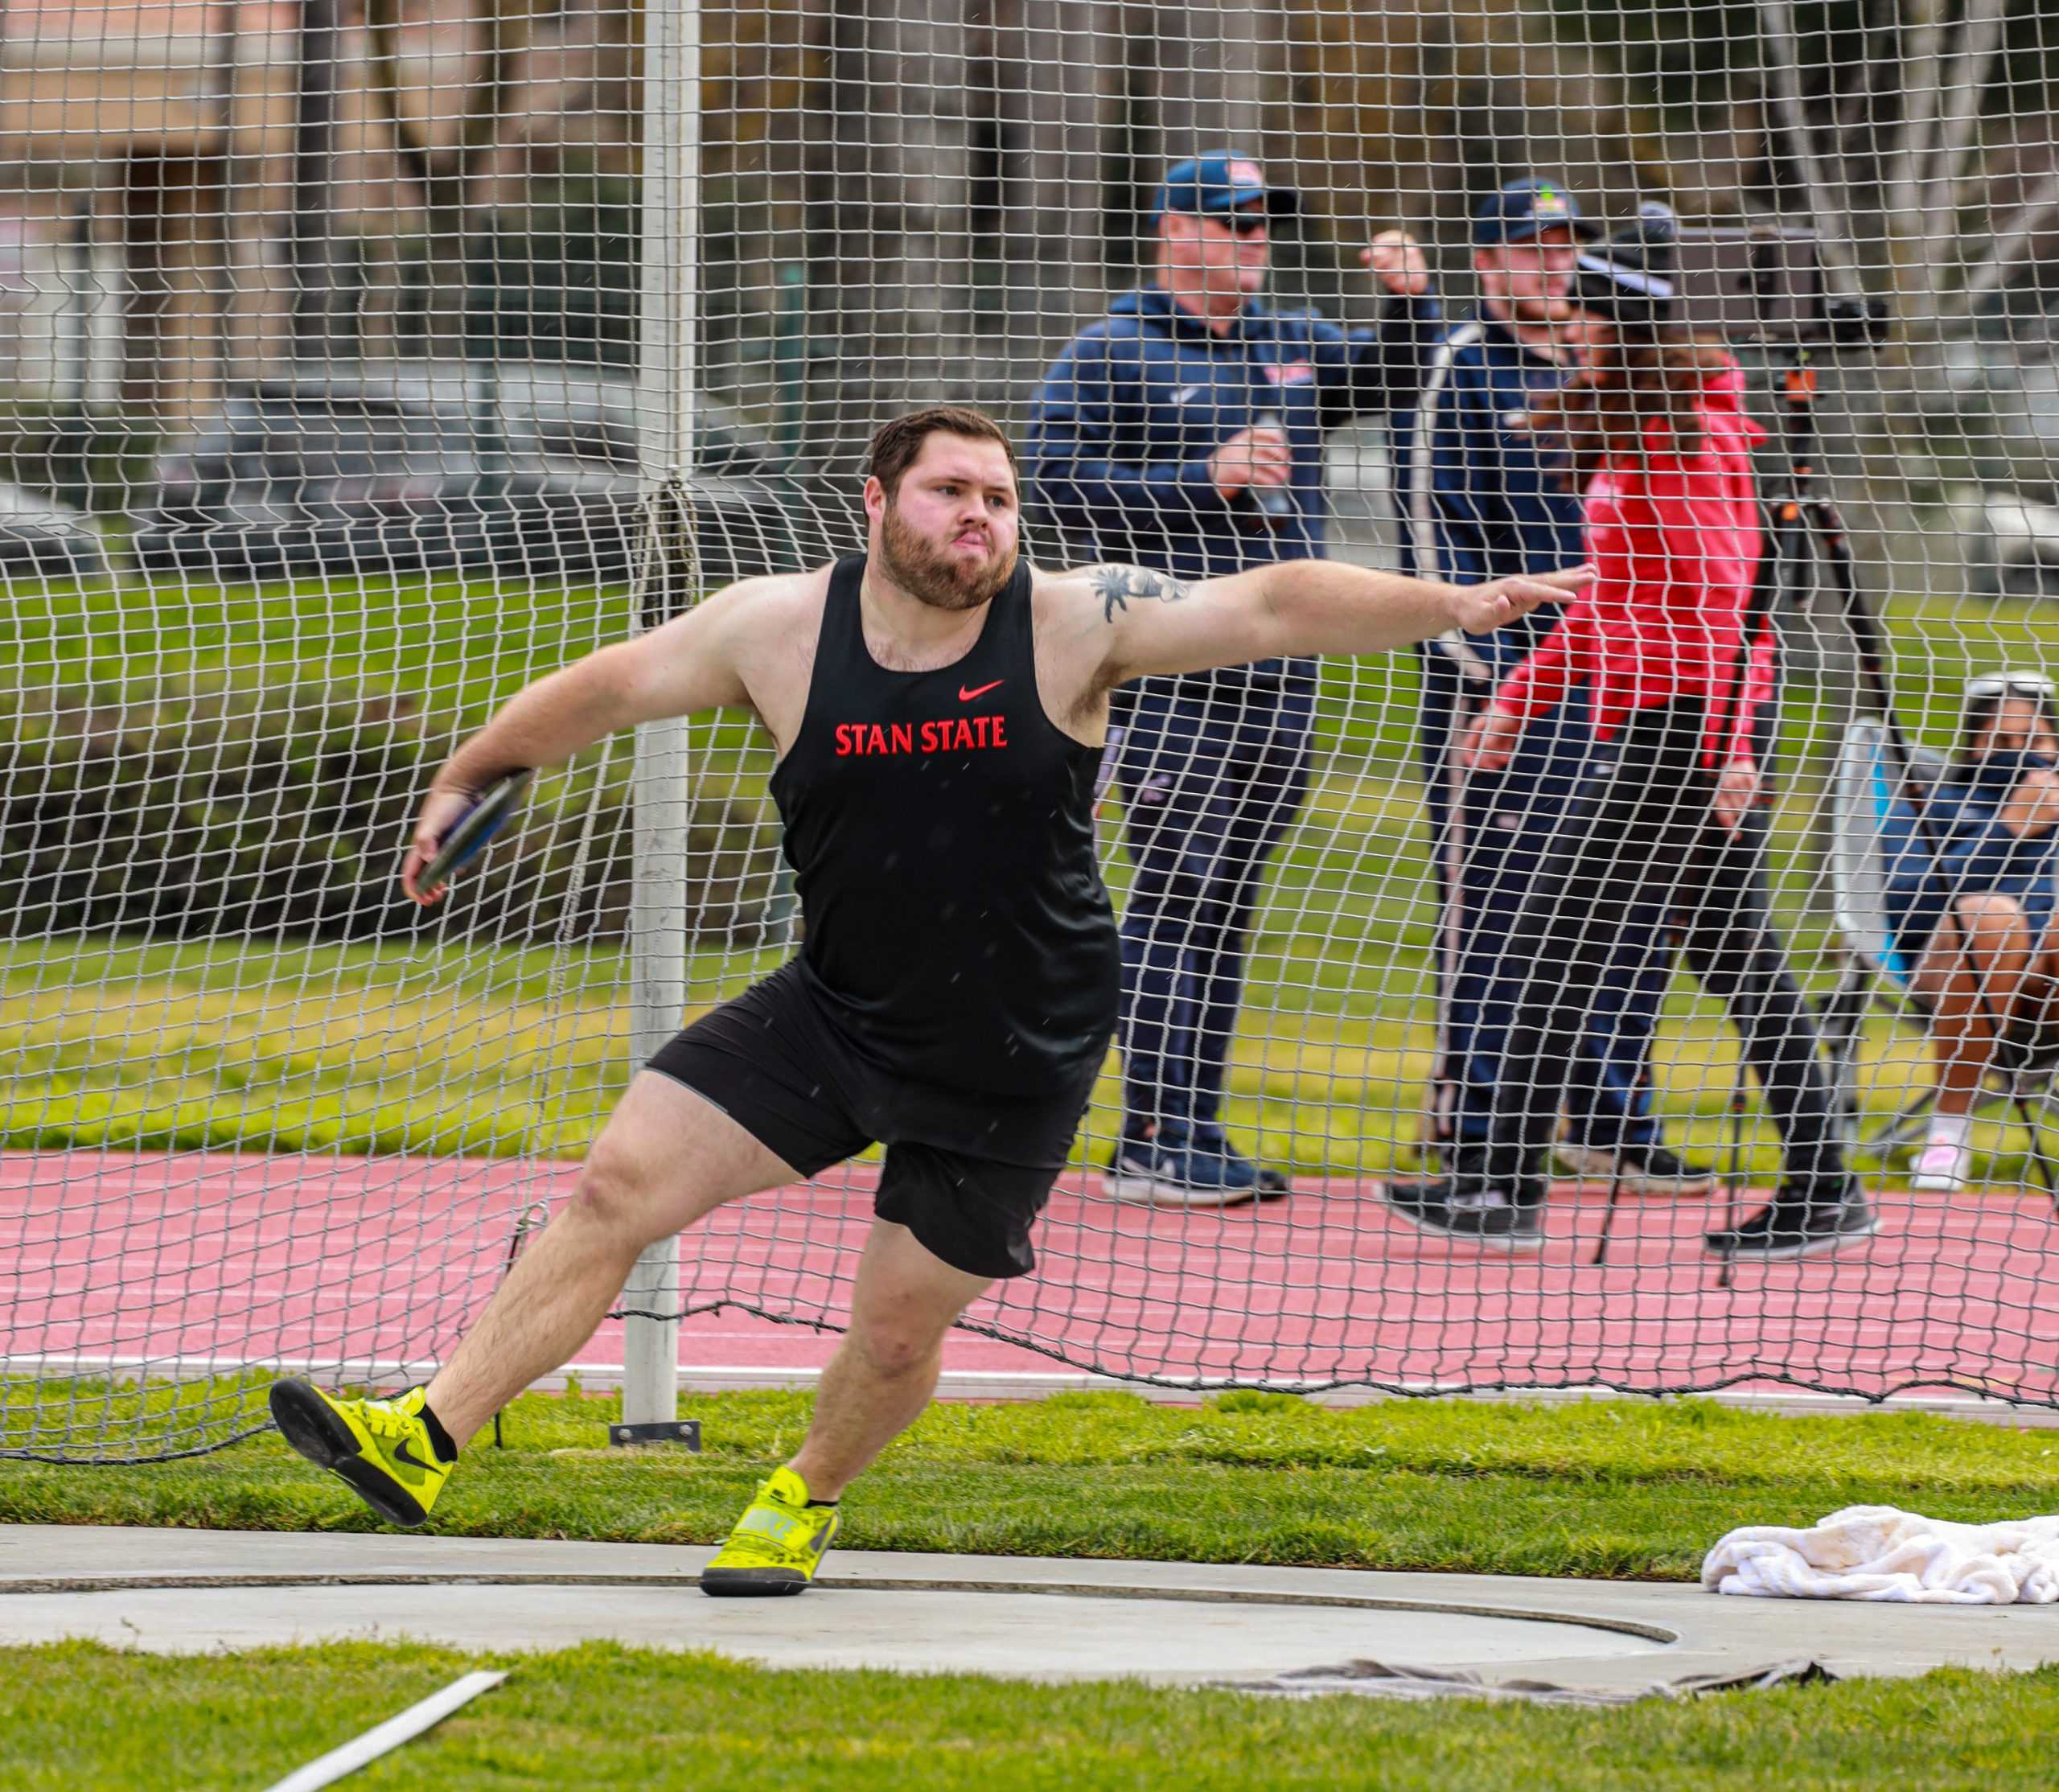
(360, 364)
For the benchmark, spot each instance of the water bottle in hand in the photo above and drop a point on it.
(1267, 505)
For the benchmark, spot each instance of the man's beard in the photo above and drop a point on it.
(935, 578)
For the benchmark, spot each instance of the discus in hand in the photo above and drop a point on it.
(469, 835)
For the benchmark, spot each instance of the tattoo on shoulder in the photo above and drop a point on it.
(1115, 585)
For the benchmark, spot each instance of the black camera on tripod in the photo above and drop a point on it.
(1756, 284)
(1631, 278)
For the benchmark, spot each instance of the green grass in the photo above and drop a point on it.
(227, 1045)
(1615, 1489)
(494, 1052)
(457, 647)
(1603, 1489)
(473, 1048)
(603, 1716)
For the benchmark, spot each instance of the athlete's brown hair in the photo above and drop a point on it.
(896, 445)
(1640, 378)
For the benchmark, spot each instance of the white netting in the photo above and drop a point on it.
(347, 382)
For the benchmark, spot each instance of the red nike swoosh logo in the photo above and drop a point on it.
(965, 695)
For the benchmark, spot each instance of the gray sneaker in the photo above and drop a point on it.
(1636, 1168)
(1472, 1212)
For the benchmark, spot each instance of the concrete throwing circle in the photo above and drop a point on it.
(1021, 1632)
(1172, 1623)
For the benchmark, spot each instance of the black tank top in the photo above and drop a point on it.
(941, 830)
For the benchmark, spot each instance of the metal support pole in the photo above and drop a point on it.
(670, 194)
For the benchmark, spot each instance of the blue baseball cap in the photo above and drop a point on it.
(1527, 209)
(1220, 182)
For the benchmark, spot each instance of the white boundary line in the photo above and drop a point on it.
(973, 1384)
(361, 1751)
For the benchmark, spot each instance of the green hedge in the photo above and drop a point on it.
(186, 807)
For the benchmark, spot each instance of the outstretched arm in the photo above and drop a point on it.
(1156, 624)
(673, 671)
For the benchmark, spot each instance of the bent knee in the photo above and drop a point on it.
(1987, 912)
(894, 1348)
(616, 1194)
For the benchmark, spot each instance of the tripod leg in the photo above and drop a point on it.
(1733, 1168)
(1608, 1212)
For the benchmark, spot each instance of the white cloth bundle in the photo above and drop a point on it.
(1880, 1552)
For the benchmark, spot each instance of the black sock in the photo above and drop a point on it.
(439, 1439)
(822, 1502)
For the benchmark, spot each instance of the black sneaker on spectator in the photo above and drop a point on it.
(1636, 1169)
(1793, 1225)
(1465, 1208)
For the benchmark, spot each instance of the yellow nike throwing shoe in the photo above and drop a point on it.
(777, 1546)
(380, 1447)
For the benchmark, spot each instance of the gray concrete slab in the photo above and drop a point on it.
(1170, 1623)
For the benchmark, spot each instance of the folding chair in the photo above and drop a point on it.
(1875, 968)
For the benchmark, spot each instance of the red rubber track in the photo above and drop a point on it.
(141, 1258)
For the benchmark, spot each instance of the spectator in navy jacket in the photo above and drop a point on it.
(1480, 498)
(1976, 921)
(1184, 434)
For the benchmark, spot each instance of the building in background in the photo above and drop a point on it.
(192, 194)
(904, 199)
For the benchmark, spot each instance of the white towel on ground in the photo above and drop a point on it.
(1880, 1552)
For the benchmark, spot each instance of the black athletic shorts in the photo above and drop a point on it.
(968, 1173)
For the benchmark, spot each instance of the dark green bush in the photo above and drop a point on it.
(199, 806)
(93, 458)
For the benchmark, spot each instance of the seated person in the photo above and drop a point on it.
(1976, 922)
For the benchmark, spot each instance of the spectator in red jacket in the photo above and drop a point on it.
(1654, 433)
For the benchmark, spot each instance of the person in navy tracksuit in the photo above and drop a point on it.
(1477, 502)
(1184, 433)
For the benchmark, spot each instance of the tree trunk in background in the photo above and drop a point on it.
(312, 225)
(171, 243)
(889, 189)
(190, 263)
(452, 179)
(1366, 130)
(1058, 72)
(169, 251)
(1222, 78)
(259, 175)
